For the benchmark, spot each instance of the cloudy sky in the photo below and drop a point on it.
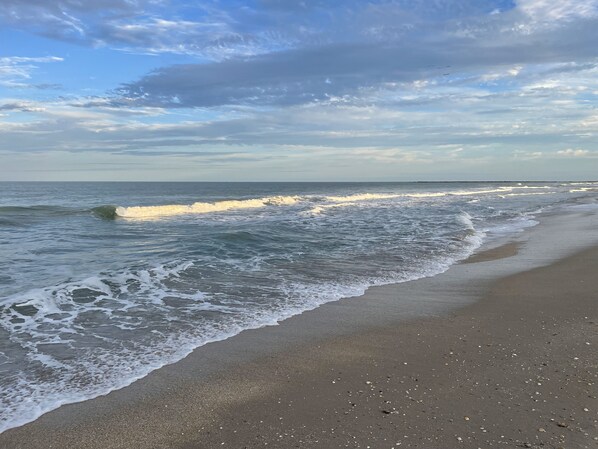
(312, 90)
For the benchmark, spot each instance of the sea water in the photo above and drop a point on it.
(102, 283)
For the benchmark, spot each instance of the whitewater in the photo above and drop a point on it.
(102, 283)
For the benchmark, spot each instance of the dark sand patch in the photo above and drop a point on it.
(500, 252)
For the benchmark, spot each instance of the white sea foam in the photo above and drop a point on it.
(501, 190)
(584, 189)
(525, 194)
(362, 197)
(513, 225)
(383, 196)
(145, 212)
(426, 195)
(466, 220)
(317, 210)
(475, 237)
(56, 316)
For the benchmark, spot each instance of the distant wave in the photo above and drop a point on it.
(38, 210)
(363, 197)
(525, 194)
(584, 189)
(381, 196)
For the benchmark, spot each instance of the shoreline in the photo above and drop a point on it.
(203, 387)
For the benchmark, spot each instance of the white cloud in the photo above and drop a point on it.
(552, 11)
(570, 152)
(15, 70)
(506, 73)
(21, 106)
(391, 155)
(527, 155)
(590, 122)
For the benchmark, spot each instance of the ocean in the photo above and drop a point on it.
(102, 283)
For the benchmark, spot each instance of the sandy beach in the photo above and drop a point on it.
(304, 224)
(497, 352)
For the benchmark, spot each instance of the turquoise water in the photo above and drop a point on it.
(101, 283)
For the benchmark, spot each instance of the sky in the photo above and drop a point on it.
(289, 90)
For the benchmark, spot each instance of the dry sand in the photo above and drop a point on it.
(518, 368)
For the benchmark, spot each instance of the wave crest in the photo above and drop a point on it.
(106, 212)
(149, 212)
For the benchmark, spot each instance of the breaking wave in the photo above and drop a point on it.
(105, 212)
(111, 212)
(202, 208)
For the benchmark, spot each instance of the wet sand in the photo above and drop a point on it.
(514, 364)
(499, 252)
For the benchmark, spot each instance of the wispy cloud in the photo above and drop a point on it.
(66, 19)
(21, 106)
(16, 71)
(205, 29)
(550, 13)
